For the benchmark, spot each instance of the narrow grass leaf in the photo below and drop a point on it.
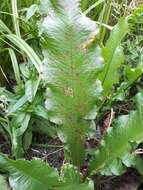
(93, 6)
(15, 66)
(4, 28)
(15, 17)
(21, 44)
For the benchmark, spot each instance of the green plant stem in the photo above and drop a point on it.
(5, 13)
(105, 19)
(4, 74)
(104, 25)
(93, 6)
(48, 145)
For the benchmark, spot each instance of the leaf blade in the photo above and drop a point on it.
(128, 128)
(110, 55)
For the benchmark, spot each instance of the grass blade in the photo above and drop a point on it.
(4, 74)
(93, 6)
(22, 45)
(15, 66)
(15, 17)
(3, 27)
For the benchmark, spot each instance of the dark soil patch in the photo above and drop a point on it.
(49, 150)
(4, 146)
(131, 180)
(123, 108)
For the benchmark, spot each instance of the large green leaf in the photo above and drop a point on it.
(31, 87)
(71, 72)
(133, 74)
(111, 154)
(72, 179)
(16, 105)
(113, 55)
(23, 120)
(35, 175)
(30, 175)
